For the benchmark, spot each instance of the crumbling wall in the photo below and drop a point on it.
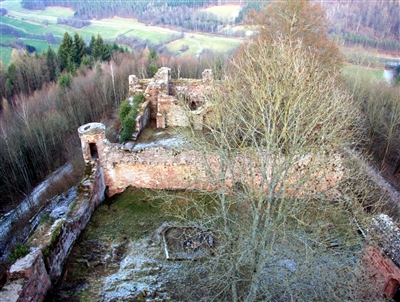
(30, 277)
(173, 103)
(142, 119)
(158, 86)
(154, 168)
(162, 168)
(381, 256)
(27, 280)
(92, 137)
(171, 112)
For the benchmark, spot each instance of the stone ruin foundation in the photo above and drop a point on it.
(187, 242)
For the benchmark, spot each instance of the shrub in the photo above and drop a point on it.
(129, 124)
(124, 109)
(127, 115)
(47, 219)
(19, 251)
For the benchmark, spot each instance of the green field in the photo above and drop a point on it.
(224, 12)
(15, 8)
(177, 45)
(6, 38)
(5, 55)
(40, 45)
(356, 70)
(31, 22)
(217, 43)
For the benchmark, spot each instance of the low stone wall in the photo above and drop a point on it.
(381, 255)
(30, 277)
(153, 168)
(11, 231)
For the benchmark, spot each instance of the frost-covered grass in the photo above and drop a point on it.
(131, 214)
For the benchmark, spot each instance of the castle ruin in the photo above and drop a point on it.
(113, 167)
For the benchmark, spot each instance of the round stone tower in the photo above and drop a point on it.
(92, 137)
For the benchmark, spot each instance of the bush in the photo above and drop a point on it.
(129, 125)
(124, 109)
(127, 115)
(19, 251)
(47, 219)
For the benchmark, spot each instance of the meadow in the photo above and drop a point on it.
(33, 25)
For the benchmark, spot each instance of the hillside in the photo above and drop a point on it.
(372, 24)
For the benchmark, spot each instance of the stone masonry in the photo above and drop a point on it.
(381, 256)
(172, 103)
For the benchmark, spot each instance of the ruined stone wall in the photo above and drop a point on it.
(173, 103)
(381, 255)
(30, 277)
(70, 228)
(154, 168)
(172, 112)
(161, 168)
(142, 118)
(380, 269)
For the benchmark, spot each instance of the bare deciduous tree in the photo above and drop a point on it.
(282, 218)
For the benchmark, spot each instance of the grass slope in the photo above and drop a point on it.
(224, 12)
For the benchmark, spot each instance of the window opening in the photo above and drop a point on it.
(93, 150)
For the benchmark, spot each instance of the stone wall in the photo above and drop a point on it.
(162, 168)
(177, 103)
(172, 112)
(30, 277)
(381, 256)
(154, 168)
(142, 119)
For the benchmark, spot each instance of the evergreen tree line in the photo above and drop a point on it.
(38, 133)
(109, 8)
(27, 73)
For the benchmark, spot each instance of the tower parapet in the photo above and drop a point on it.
(92, 137)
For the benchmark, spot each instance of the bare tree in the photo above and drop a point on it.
(282, 218)
(294, 19)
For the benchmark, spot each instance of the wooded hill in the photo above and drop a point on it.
(372, 24)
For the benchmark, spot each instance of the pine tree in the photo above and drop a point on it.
(98, 48)
(51, 61)
(66, 50)
(11, 88)
(101, 51)
(79, 49)
(89, 49)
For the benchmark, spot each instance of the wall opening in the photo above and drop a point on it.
(93, 151)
